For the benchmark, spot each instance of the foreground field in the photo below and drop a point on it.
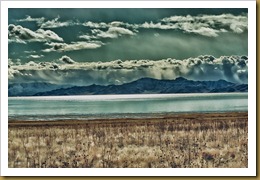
(178, 141)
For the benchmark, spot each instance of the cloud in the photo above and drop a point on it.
(87, 37)
(205, 31)
(178, 19)
(20, 34)
(209, 25)
(12, 63)
(205, 25)
(199, 28)
(159, 25)
(66, 71)
(35, 56)
(113, 32)
(115, 29)
(237, 24)
(67, 60)
(30, 19)
(55, 23)
(117, 23)
(29, 52)
(96, 25)
(63, 47)
(16, 40)
(103, 25)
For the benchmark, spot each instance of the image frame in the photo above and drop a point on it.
(138, 172)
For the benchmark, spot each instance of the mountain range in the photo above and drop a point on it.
(141, 86)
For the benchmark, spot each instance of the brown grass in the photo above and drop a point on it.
(176, 141)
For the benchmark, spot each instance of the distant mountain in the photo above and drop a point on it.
(29, 89)
(151, 86)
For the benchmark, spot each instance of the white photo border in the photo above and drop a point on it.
(250, 171)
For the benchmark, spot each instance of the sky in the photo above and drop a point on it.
(116, 46)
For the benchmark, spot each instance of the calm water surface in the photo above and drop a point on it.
(116, 105)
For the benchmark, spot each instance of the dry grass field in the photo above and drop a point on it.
(198, 140)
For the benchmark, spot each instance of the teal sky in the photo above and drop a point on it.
(136, 43)
(60, 41)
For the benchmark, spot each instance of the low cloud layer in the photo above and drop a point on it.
(20, 34)
(67, 71)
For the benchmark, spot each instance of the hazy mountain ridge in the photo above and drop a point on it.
(151, 86)
(30, 89)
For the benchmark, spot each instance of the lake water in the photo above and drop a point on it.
(96, 106)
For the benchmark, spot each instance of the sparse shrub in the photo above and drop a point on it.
(180, 141)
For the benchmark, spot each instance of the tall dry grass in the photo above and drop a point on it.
(178, 142)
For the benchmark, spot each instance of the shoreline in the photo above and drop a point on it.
(154, 117)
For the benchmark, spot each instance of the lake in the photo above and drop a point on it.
(111, 106)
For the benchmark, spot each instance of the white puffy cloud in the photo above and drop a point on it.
(67, 60)
(35, 56)
(67, 71)
(113, 29)
(159, 25)
(210, 25)
(11, 62)
(20, 34)
(16, 40)
(55, 23)
(103, 25)
(87, 37)
(30, 19)
(236, 23)
(205, 31)
(62, 47)
(113, 32)
(178, 18)
(117, 23)
(96, 25)
(198, 28)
